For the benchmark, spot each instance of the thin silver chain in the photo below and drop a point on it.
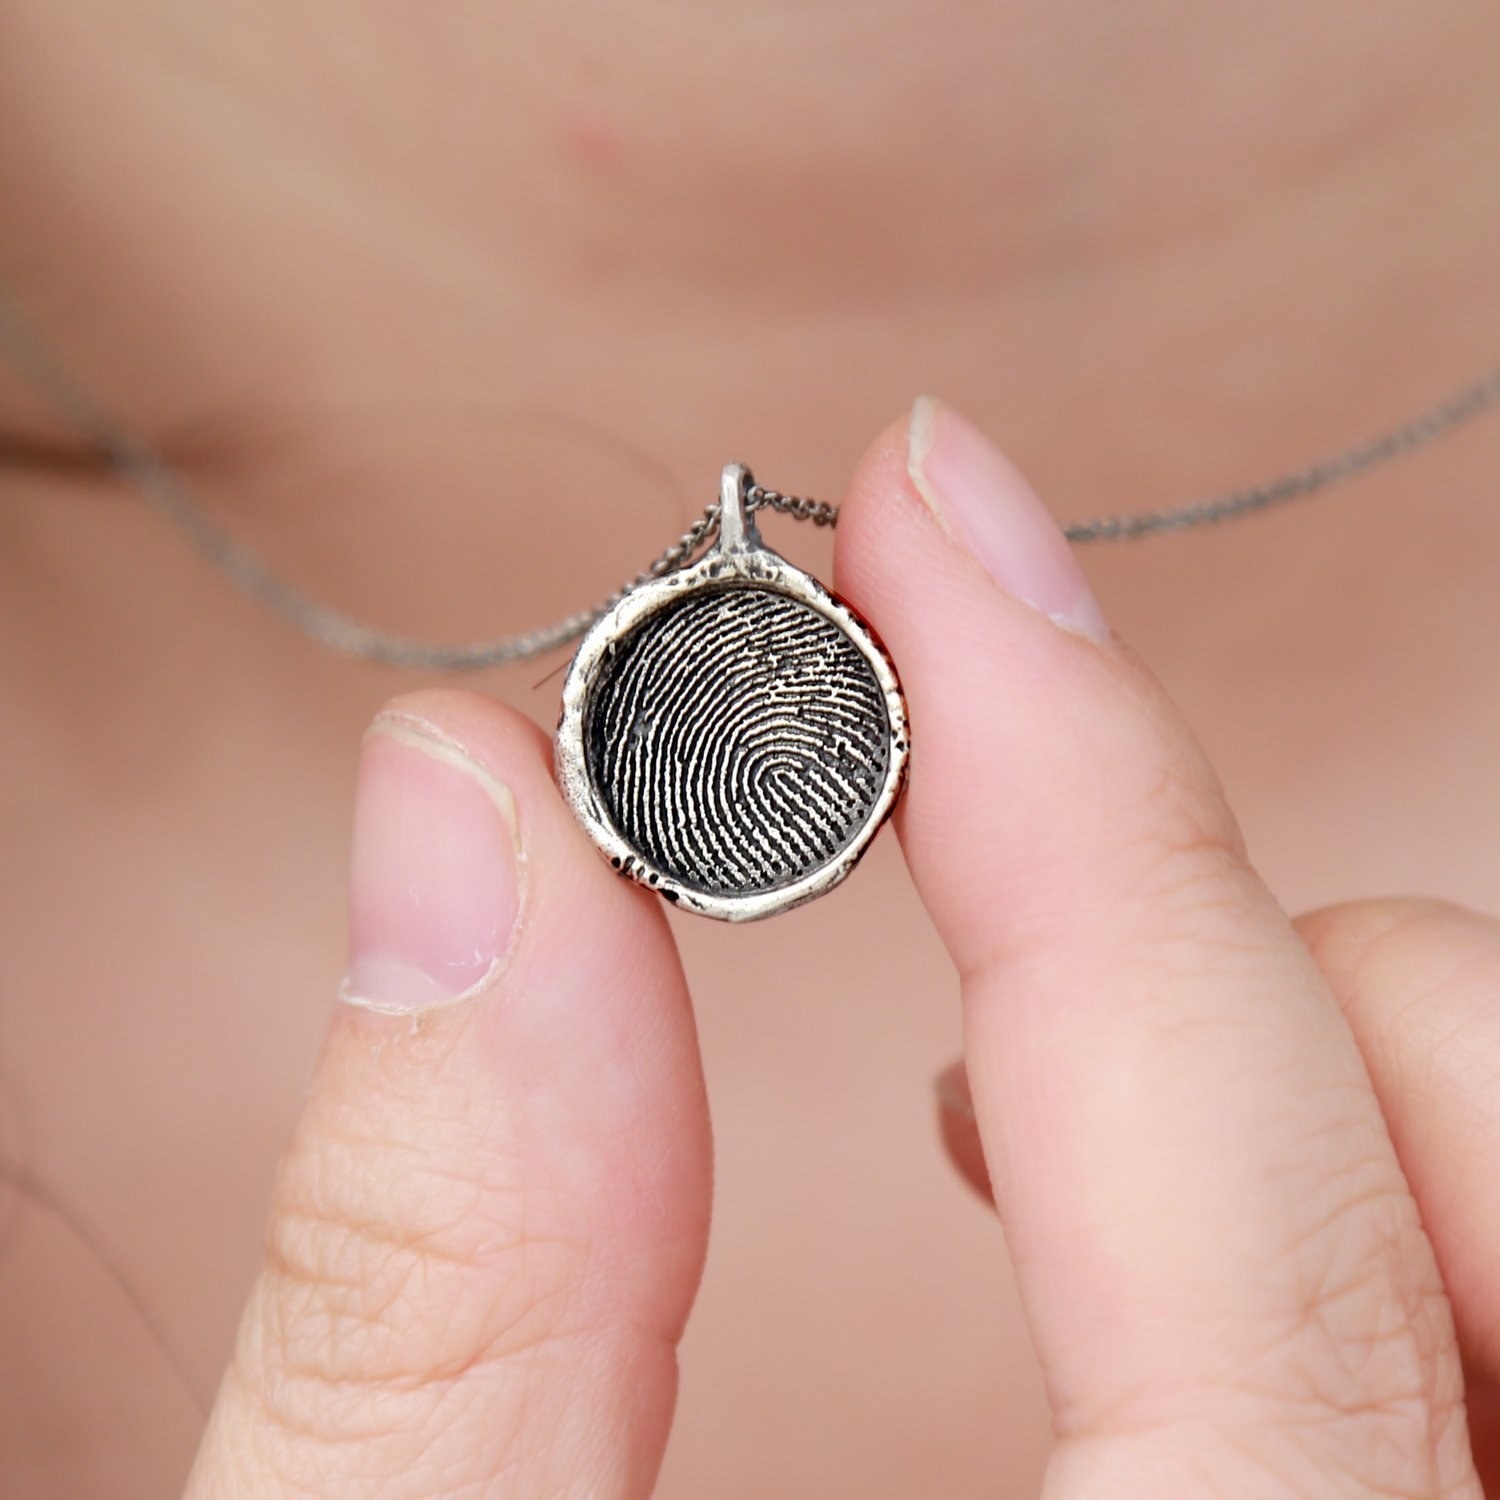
(166, 489)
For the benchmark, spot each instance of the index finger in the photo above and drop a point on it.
(1221, 1261)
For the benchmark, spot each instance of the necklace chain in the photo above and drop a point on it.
(166, 489)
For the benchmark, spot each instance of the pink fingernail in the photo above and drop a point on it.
(985, 505)
(435, 886)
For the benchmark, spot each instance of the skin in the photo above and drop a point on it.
(177, 800)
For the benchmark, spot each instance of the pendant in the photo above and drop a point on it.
(733, 734)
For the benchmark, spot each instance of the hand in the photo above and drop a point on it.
(1215, 1138)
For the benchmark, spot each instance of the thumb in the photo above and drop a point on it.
(1222, 1263)
(488, 1229)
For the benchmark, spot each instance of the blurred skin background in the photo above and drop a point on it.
(454, 311)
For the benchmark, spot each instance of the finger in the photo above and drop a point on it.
(959, 1129)
(1420, 984)
(489, 1226)
(1223, 1267)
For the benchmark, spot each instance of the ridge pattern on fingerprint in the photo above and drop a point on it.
(738, 739)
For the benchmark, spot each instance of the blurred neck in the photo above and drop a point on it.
(1157, 248)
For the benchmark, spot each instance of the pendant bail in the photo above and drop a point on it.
(737, 531)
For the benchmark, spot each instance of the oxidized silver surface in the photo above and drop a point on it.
(732, 734)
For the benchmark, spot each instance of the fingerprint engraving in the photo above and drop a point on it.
(738, 739)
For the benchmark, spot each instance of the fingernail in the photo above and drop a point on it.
(986, 506)
(435, 889)
(952, 1088)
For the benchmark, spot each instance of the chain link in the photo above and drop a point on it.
(166, 490)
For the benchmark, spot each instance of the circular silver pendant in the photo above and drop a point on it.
(733, 734)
